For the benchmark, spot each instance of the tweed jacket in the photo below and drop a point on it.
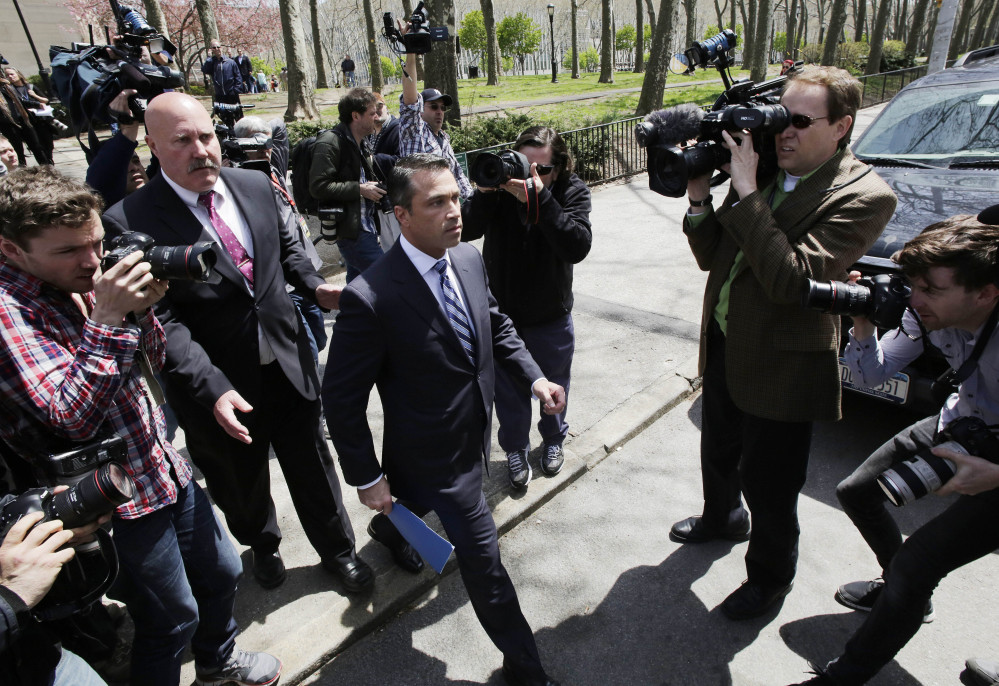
(780, 357)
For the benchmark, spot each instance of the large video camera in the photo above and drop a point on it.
(925, 472)
(180, 262)
(882, 298)
(88, 77)
(744, 105)
(420, 38)
(97, 484)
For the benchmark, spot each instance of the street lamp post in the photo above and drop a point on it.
(551, 26)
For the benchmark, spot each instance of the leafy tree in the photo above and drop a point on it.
(389, 68)
(518, 37)
(624, 39)
(473, 34)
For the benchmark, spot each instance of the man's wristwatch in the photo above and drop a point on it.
(701, 203)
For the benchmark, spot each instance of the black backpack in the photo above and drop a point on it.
(299, 163)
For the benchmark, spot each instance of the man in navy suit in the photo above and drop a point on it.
(422, 325)
(239, 372)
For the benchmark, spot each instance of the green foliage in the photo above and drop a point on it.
(811, 53)
(518, 36)
(389, 67)
(260, 64)
(297, 130)
(625, 38)
(483, 132)
(780, 41)
(589, 60)
(647, 34)
(852, 56)
(712, 30)
(473, 33)
(893, 56)
(195, 88)
(507, 63)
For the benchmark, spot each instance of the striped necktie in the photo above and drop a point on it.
(455, 312)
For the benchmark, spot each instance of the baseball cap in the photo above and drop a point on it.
(431, 94)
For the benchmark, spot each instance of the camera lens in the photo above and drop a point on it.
(107, 488)
(488, 170)
(921, 474)
(183, 262)
(837, 297)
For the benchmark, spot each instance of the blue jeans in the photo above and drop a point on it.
(360, 253)
(178, 578)
(551, 345)
(73, 670)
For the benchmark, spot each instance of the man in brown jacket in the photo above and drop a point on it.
(769, 365)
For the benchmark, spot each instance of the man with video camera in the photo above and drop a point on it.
(78, 350)
(342, 175)
(953, 268)
(769, 365)
(535, 230)
(31, 556)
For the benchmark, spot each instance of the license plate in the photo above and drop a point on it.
(894, 390)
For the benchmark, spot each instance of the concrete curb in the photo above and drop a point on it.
(306, 651)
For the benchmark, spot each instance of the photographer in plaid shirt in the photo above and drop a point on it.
(421, 118)
(71, 366)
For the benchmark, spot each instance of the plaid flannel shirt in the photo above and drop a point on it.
(415, 136)
(65, 376)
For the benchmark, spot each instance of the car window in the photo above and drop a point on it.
(938, 123)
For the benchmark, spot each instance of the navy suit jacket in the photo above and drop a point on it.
(392, 333)
(211, 329)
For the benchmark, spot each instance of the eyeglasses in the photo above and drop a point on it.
(545, 169)
(437, 106)
(803, 121)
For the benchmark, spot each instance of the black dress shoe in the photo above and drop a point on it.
(694, 530)
(515, 678)
(268, 569)
(355, 575)
(753, 600)
(403, 553)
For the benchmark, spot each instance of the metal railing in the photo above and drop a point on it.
(879, 88)
(609, 151)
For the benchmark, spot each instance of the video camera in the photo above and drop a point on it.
(744, 105)
(97, 484)
(179, 262)
(419, 39)
(88, 77)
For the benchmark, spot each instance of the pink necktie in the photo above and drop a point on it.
(244, 263)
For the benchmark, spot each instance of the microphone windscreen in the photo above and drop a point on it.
(133, 77)
(990, 215)
(677, 124)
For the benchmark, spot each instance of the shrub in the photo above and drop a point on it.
(589, 60)
(483, 132)
(297, 130)
(893, 56)
(388, 67)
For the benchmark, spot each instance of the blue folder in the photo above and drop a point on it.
(434, 549)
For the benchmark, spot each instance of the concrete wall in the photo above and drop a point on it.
(49, 22)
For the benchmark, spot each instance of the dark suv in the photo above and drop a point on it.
(937, 145)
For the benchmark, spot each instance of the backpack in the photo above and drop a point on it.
(299, 163)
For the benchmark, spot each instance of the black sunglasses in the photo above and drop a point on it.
(545, 169)
(437, 106)
(803, 121)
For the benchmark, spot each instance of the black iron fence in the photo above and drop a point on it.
(609, 151)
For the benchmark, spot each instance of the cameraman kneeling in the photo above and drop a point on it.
(953, 269)
(31, 555)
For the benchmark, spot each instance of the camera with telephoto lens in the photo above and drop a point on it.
(180, 262)
(491, 170)
(744, 106)
(97, 484)
(925, 472)
(881, 298)
(420, 38)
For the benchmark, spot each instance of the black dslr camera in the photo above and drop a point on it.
(491, 170)
(925, 472)
(882, 298)
(420, 38)
(744, 105)
(181, 262)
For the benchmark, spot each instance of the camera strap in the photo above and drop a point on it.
(532, 194)
(949, 381)
(44, 613)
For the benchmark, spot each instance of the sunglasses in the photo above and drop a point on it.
(803, 121)
(545, 169)
(437, 106)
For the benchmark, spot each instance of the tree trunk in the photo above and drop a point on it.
(374, 59)
(301, 95)
(802, 31)
(749, 44)
(209, 29)
(859, 19)
(957, 42)
(606, 42)
(934, 14)
(441, 70)
(690, 10)
(720, 15)
(758, 70)
(980, 26)
(493, 64)
(640, 37)
(916, 30)
(992, 33)
(745, 23)
(652, 14)
(731, 16)
(575, 42)
(155, 16)
(317, 46)
(837, 21)
(878, 38)
(792, 22)
(651, 97)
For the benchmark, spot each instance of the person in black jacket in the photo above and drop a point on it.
(535, 230)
